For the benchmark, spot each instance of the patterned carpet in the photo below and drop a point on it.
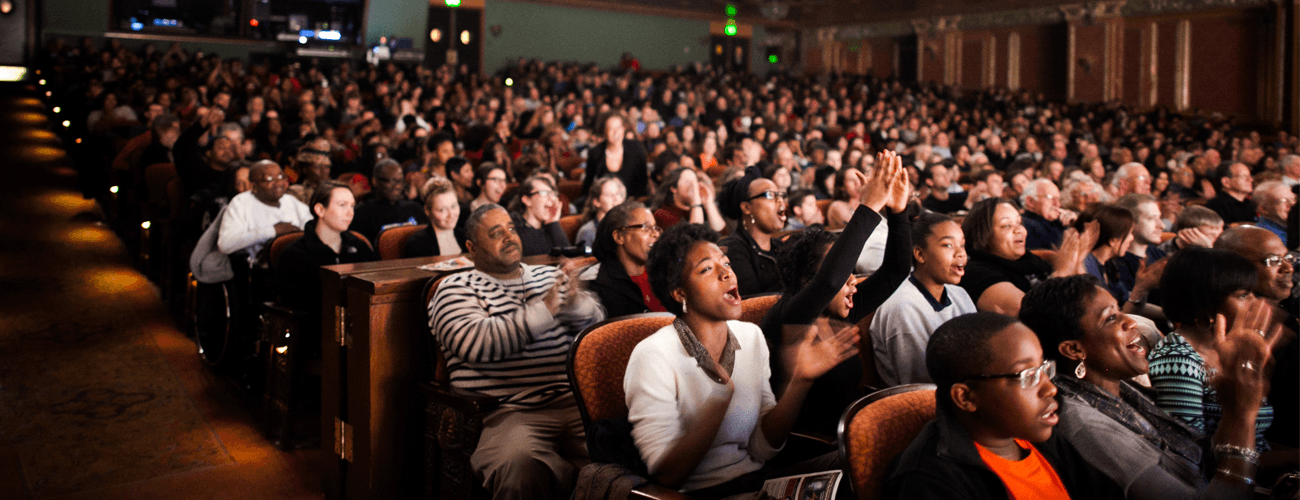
(87, 399)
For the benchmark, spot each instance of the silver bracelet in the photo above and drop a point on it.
(1223, 451)
(1243, 479)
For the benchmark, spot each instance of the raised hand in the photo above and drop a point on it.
(875, 192)
(1245, 356)
(813, 357)
(900, 190)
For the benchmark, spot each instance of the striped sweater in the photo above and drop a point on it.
(499, 338)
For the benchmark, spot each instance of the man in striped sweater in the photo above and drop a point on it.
(505, 328)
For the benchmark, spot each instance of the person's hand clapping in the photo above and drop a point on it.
(813, 357)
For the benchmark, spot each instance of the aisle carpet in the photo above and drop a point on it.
(87, 398)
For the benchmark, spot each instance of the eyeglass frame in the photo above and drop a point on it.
(1036, 373)
(1277, 260)
(647, 226)
(271, 178)
(770, 195)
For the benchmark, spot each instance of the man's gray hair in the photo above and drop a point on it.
(476, 217)
(232, 127)
(1031, 190)
(384, 163)
(1287, 160)
(1264, 191)
(1123, 172)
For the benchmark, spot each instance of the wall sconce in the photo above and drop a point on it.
(6, 6)
(435, 35)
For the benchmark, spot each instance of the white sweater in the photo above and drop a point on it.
(902, 327)
(249, 222)
(666, 389)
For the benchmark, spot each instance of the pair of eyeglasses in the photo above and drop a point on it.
(771, 195)
(1029, 377)
(271, 178)
(1277, 260)
(543, 192)
(496, 179)
(648, 227)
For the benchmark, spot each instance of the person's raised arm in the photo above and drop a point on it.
(897, 263)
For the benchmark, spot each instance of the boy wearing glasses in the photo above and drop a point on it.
(996, 408)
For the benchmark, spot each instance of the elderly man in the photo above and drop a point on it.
(1273, 201)
(263, 213)
(1131, 177)
(387, 205)
(1275, 270)
(1232, 202)
(1290, 166)
(1044, 219)
(506, 328)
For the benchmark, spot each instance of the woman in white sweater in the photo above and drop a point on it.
(702, 410)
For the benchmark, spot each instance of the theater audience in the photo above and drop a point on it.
(996, 415)
(1233, 202)
(1044, 219)
(387, 206)
(1195, 227)
(1000, 270)
(326, 241)
(622, 245)
(505, 328)
(930, 296)
(536, 211)
(1116, 425)
(1273, 201)
(1206, 291)
(819, 288)
(609, 193)
(760, 209)
(442, 236)
(704, 416)
(683, 197)
(618, 156)
(254, 217)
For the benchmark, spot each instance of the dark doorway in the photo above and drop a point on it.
(907, 58)
(729, 52)
(467, 37)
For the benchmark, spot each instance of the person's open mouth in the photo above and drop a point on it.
(732, 296)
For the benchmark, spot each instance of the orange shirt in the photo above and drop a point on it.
(1030, 478)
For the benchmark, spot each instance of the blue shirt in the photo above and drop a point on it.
(1274, 227)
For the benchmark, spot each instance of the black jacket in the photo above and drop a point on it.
(942, 463)
(633, 172)
(756, 270)
(297, 269)
(616, 290)
(837, 389)
(425, 243)
(539, 241)
(373, 215)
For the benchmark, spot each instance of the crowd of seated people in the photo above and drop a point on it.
(699, 189)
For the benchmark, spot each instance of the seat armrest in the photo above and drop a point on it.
(814, 438)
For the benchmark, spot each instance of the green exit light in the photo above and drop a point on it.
(453, 3)
(731, 10)
(772, 59)
(730, 29)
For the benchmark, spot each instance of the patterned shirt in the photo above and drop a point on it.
(1183, 389)
(500, 339)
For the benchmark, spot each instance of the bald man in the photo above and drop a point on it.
(262, 213)
(1276, 270)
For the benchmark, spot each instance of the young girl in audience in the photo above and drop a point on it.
(442, 236)
(819, 286)
(1116, 425)
(929, 297)
(996, 411)
(683, 197)
(703, 414)
(1206, 291)
(607, 193)
(536, 211)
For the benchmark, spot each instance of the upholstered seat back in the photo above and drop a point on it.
(598, 361)
(879, 427)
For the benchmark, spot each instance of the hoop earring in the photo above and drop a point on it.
(1080, 370)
